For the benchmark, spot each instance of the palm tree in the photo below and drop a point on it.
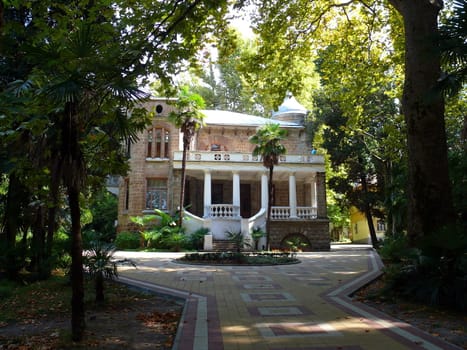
(85, 117)
(268, 145)
(454, 49)
(188, 119)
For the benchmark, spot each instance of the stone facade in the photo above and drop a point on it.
(223, 180)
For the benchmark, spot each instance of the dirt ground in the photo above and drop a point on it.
(140, 324)
(449, 325)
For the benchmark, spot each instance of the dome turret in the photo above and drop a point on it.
(290, 110)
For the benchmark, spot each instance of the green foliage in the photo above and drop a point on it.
(395, 249)
(237, 238)
(100, 264)
(256, 234)
(103, 207)
(128, 240)
(7, 289)
(233, 258)
(435, 274)
(160, 231)
(268, 146)
(296, 244)
(454, 49)
(12, 259)
(196, 239)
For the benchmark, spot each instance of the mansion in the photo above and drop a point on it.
(226, 188)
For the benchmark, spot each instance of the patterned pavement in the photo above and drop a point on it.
(289, 307)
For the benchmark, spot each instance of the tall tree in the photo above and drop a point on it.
(423, 108)
(268, 140)
(82, 61)
(188, 118)
(299, 25)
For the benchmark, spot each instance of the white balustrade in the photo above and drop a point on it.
(283, 213)
(307, 212)
(224, 211)
(280, 213)
(222, 156)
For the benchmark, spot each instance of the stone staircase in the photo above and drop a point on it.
(223, 245)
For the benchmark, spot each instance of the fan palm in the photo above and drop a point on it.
(85, 93)
(269, 147)
(454, 49)
(188, 119)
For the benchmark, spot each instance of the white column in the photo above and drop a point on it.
(236, 193)
(207, 193)
(313, 192)
(292, 195)
(264, 191)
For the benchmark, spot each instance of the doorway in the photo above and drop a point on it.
(245, 200)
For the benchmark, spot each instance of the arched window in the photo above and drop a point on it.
(158, 143)
(156, 194)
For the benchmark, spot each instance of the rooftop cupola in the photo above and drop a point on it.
(290, 110)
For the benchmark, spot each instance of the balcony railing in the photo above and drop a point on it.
(304, 213)
(222, 156)
(224, 211)
(277, 213)
(307, 213)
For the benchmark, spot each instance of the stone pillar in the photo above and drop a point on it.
(321, 195)
(292, 196)
(236, 193)
(264, 191)
(207, 193)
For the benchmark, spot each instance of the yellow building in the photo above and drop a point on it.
(359, 231)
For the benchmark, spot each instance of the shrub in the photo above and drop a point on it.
(128, 240)
(395, 249)
(196, 239)
(256, 234)
(435, 273)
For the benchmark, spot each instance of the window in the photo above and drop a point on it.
(158, 143)
(380, 225)
(156, 194)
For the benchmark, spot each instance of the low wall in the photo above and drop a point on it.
(317, 232)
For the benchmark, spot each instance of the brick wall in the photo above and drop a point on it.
(317, 232)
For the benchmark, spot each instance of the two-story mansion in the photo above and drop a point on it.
(226, 187)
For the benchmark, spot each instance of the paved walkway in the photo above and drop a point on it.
(287, 307)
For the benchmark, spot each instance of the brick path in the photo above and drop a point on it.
(290, 307)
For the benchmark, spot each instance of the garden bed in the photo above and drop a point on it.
(242, 258)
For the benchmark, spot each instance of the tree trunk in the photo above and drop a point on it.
(429, 191)
(268, 217)
(53, 205)
(99, 287)
(77, 278)
(368, 215)
(182, 184)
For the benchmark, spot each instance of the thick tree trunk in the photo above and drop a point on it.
(77, 278)
(429, 193)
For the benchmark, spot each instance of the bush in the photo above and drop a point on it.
(128, 240)
(196, 239)
(395, 249)
(435, 273)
